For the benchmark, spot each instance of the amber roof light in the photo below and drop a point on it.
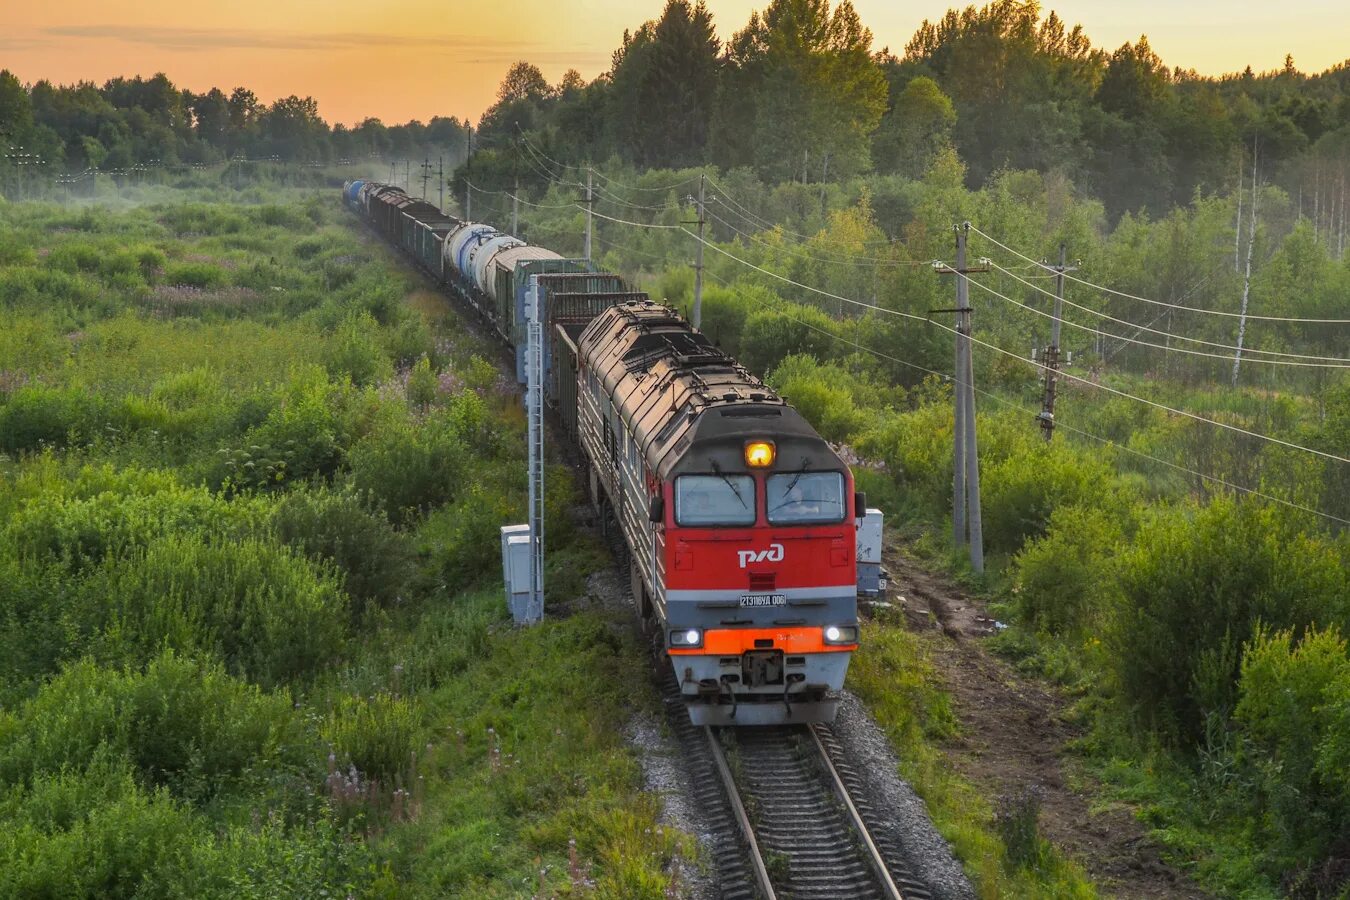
(759, 454)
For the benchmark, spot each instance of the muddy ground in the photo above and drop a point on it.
(1014, 733)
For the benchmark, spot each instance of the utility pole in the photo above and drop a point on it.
(515, 207)
(468, 177)
(440, 179)
(426, 175)
(586, 251)
(698, 258)
(1051, 361)
(407, 175)
(966, 515)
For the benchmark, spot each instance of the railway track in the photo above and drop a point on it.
(784, 814)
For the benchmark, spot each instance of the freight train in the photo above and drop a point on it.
(741, 522)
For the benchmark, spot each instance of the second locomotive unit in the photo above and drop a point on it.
(740, 520)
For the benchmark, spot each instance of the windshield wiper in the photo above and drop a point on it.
(792, 484)
(797, 477)
(717, 470)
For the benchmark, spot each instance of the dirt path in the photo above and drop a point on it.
(1015, 734)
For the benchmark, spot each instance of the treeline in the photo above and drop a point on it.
(800, 93)
(135, 121)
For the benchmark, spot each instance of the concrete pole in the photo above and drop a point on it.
(698, 259)
(586, 251)
(959, 403)
(974, 517)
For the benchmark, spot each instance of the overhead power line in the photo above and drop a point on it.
(1170, 334)
(1194, 309)
(1224, 356)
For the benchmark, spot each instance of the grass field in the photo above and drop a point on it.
(252, 641)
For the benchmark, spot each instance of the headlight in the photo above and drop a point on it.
(686, 637)
(759, 454)
(841, 634)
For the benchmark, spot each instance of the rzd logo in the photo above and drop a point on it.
(773, 554)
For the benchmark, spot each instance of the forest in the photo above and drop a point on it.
(798, 93)
(1174, 559)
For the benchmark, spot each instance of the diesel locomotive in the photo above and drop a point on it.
(741, 522)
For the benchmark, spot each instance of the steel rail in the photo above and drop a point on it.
(874, 856)
(742, 818)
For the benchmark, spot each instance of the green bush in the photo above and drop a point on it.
(916, 447)
(1294, 711)
(423, 384)
(786, 329)
(340, 528)
(80, 532)
(195, 274)
(35, 416)
(408, 340)
(179, 724)
(1022, 491)
(303, 437)
(1194, 587)
(824, 394)
(1064, 579)
(377, 735)
(461, 541)
(355, 352)
(133, 845)
(412, 467)
(270, 615)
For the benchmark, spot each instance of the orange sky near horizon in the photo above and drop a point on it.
(404, 59)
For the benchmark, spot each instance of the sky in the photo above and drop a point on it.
(404, 59)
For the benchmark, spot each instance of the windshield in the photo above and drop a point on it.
(715, 500)
(806, 497)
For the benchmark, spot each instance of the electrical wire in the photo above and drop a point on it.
(1003, 401)
(860, 261)
(977, 341)
(1180, 337)
(997, 349)
(1195, 309)
(1225, 357)
(745, 213)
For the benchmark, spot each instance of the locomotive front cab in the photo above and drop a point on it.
(760, 602)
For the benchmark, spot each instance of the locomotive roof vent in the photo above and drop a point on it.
(729, 396)
(757, 397)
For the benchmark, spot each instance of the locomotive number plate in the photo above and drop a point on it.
(763, 599)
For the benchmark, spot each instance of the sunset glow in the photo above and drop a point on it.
(418, 59)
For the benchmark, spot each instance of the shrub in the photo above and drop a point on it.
(376, 734)
(129, 847)
(409, 468)
(787, 329)
(354, 352)
(339, 527)
(824, 394)
(917, 450)
(423, 383)
(35, 415)
(1063, 579)
(195, 274)
(270, 615)
(462, 542)
(408, 340)
(1022, 491)
(1193, 589)
(1294, 709)
(80, 532)
(179, 724)
(302, 437)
